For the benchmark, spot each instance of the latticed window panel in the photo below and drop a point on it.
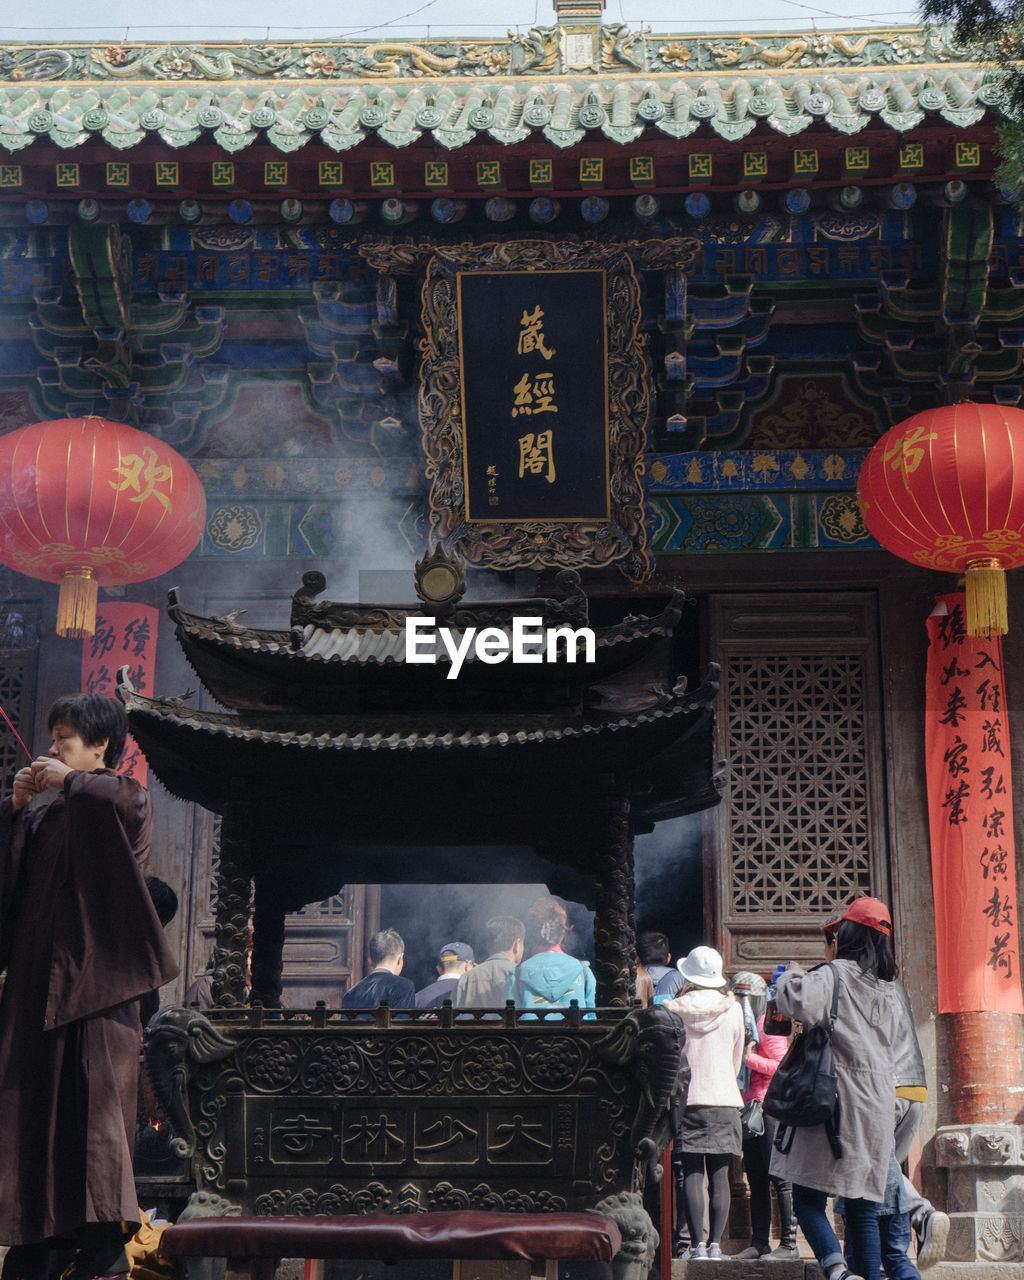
(15, 686)
(799, 805)
(19, 638)
(334, 908)
(211, 883)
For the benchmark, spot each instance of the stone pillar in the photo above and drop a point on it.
(614, 924)
(234, 902)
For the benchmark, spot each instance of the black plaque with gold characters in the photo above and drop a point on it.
(533, 404)
(533, 360)
(534, 395)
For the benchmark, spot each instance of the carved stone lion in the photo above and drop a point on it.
(639, 1238)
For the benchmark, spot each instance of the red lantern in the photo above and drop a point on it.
(84, 501)
(945, 489)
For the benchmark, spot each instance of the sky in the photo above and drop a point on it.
(197, 20)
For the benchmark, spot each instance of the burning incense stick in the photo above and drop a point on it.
(16, 734)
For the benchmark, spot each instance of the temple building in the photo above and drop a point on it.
(587, 324)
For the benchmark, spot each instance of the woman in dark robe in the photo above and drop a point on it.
(80, 942)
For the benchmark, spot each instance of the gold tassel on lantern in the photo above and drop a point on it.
(986, 598)
(76, 604)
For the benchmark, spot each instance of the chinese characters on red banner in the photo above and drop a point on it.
(970, 810)
(125, 637)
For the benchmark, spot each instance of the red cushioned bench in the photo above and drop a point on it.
(253, 1246)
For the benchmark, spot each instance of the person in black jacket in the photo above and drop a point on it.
(383, 985)
(454, 960)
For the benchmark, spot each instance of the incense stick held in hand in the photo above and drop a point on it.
(10, 726)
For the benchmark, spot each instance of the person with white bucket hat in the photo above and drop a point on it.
(709, 1133)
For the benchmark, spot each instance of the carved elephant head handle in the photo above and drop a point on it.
(176, 1039)
(652, 1042)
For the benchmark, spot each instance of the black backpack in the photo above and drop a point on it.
(803, 1091)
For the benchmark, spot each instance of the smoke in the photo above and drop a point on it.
(669, 897)
(429, 915)
(670, 882)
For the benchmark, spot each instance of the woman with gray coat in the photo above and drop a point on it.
(863, 1035)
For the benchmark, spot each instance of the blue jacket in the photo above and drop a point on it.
(667, 982)
(552, 979)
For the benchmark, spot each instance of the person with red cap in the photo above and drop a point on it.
(864, 1032)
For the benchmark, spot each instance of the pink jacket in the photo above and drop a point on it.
(763, 1061)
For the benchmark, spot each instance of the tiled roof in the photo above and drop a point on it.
(375, 645)
(200, 756)
(488, 91)
(400, 733)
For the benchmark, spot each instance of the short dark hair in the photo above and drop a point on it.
(93, 717)
(871, 950)
(386, 945)
(652, 948)
(164, 899)
(503, 932)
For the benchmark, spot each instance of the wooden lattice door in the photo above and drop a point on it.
(801, 828)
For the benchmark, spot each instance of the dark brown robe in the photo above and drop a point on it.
(81, 942)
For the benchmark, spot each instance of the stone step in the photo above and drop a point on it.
(707, 1269)
(803, 1269)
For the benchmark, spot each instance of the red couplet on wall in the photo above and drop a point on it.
(125, 636)
(970, 810)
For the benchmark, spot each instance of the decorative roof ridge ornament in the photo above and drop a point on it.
(440, 584)
(575, 13)
(309, 67)
(441, 579)
(128, 694)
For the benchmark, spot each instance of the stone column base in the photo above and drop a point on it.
(985, 1170)
(989, 1237)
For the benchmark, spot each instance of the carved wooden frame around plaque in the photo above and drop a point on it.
(615, 536)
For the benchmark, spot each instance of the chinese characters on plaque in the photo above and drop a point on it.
(970, 809)
(533, 366)
(125, 636)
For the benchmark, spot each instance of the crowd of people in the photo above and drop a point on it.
(83, 947)
(734, 1051)
(525, 963)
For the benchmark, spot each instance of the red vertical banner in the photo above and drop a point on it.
(970, 812)
(125, 636)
